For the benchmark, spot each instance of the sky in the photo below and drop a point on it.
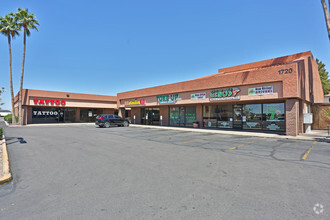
(106, 47)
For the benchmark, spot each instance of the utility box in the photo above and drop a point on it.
(308, 118)
(308, 121)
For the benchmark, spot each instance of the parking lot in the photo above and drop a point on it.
(85, 172)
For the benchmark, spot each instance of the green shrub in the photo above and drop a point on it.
(1, 133)
(8, 118)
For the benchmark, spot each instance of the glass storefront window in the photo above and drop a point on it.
(53, 115)
(182, 116)
(209, 116)
(190, 116)
(217, 116)
(273, 117)
(252, 116)
(89, 114)
(174, 116)
(224, 116)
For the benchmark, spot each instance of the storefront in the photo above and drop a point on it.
(270, 95)
(60, 107)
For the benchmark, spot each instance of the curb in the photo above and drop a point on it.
(7, 177)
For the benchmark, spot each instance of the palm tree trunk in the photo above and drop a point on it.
(21, 86)
(326, 15)
(11, 82)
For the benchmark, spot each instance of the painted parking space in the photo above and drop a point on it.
(272, 148)
(290, 150)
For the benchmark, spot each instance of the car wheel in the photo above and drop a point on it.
(125, 124)
(107, 124)
(100, 126)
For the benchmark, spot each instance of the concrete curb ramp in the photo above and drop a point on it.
(7, 177)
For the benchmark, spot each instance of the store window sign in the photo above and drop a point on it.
(49, 102)
(165, 99)
(264, 90)
(201, 95)
(45, 113)
(273, 110)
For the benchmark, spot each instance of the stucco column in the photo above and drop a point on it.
(77, 118)
(164, 112)
(137, 113)
(199, 115)
(29, 115)
(292, 117)
(121, 112)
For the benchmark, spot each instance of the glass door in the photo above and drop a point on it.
(150, 116)
(182, 117)
(237, 115)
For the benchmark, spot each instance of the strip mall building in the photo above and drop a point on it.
(270, 95)
(41, 106)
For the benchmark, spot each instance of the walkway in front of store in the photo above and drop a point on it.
(314, 135)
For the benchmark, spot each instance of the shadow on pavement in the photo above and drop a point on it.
(12, 140)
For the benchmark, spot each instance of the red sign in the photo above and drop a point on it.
(48, 101)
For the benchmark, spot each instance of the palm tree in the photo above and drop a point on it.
(9, 28)
(27, 22)
(326, 15)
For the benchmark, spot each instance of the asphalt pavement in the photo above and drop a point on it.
(85, 172)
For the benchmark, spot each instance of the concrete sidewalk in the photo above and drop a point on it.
(314, 135)
(5, 174)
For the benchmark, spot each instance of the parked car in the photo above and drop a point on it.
(110, 120)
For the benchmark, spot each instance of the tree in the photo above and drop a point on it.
(27, 22)
(9, 28)
(324, 75)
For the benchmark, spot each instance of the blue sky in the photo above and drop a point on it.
(105, 47)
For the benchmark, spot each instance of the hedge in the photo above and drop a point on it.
(8, 118)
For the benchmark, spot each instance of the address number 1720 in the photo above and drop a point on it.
(285, 71)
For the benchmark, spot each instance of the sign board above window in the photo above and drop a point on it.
(201, 95)
(264, 90)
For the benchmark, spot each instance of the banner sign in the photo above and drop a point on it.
(225, 94)
(166, 99)
(264, 90)
(201, 95)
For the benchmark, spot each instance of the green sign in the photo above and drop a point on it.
(272, 109)
(225, 92)
(167, 98)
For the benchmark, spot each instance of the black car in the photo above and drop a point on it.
(110, 120)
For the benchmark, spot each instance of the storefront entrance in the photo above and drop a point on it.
(237, 115)
(89, 114)
(182, 116)
(150, 116)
